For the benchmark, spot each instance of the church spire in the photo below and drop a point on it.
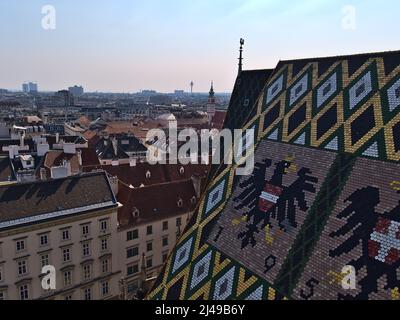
(211, 95)
(241, 56)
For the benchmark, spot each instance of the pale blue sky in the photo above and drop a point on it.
(128, 45)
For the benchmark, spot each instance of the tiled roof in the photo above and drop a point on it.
(90, 161)
(56, 158)
(156, 202)
(136, 176)
(219, 119)
(160, 173)
(323, 199)
(30, 202)
(6, 171)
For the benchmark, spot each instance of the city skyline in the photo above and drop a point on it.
(130, 46)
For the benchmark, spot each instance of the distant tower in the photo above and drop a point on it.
(191, 87)
(211, 95)
(241, 56)
(211, 103)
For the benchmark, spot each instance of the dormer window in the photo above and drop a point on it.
(180, 203)
(193, 200)
(148, 175)
(135, 213)
(182, 170)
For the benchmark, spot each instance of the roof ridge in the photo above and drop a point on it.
(343, 56)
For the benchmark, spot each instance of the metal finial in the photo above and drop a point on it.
(241, 55)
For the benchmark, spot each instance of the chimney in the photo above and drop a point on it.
(79, 154)
(115, 146)
(22, 140)
(13, 151)
(69, 148)
(132, 162)
(43, 175)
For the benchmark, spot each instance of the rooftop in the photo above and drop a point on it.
(28, 203)
(155, 203)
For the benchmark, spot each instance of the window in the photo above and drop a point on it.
(149, 262)
(86, 249)
(87, 272)
(85, 230)
(87, 293)
(1, 274)
(1, 250)
(132, 252)
(68, 278)
(180, 203)
(103, 225)
(24, 292)
(20, 245)
(65, 235)
(68, 297)
(164, 256)
(44, 240)
(178, 221)
(149, 230)
(165, 241)
(132, 269)
(22, 267)
(149, 246)
(165, 225)
(44, 260)
(2, 295)
(67, 255)
(105, 266)
(104, 244)
(104, 288)
(132, 235)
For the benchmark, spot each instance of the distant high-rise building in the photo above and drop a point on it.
(25, 87)
(33, 87)
(179, 92)
(66, 96)
(76, 91)
(30, 87)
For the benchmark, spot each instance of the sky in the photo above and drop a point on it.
(132, 45)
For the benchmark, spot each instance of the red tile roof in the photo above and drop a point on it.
(136, 176)
(160, 173)
(90, 161)
(154, 203)
(55, 158)
(84, 121)
(218, 119)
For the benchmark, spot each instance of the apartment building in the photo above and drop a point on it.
(68, 223)
(151, 220)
